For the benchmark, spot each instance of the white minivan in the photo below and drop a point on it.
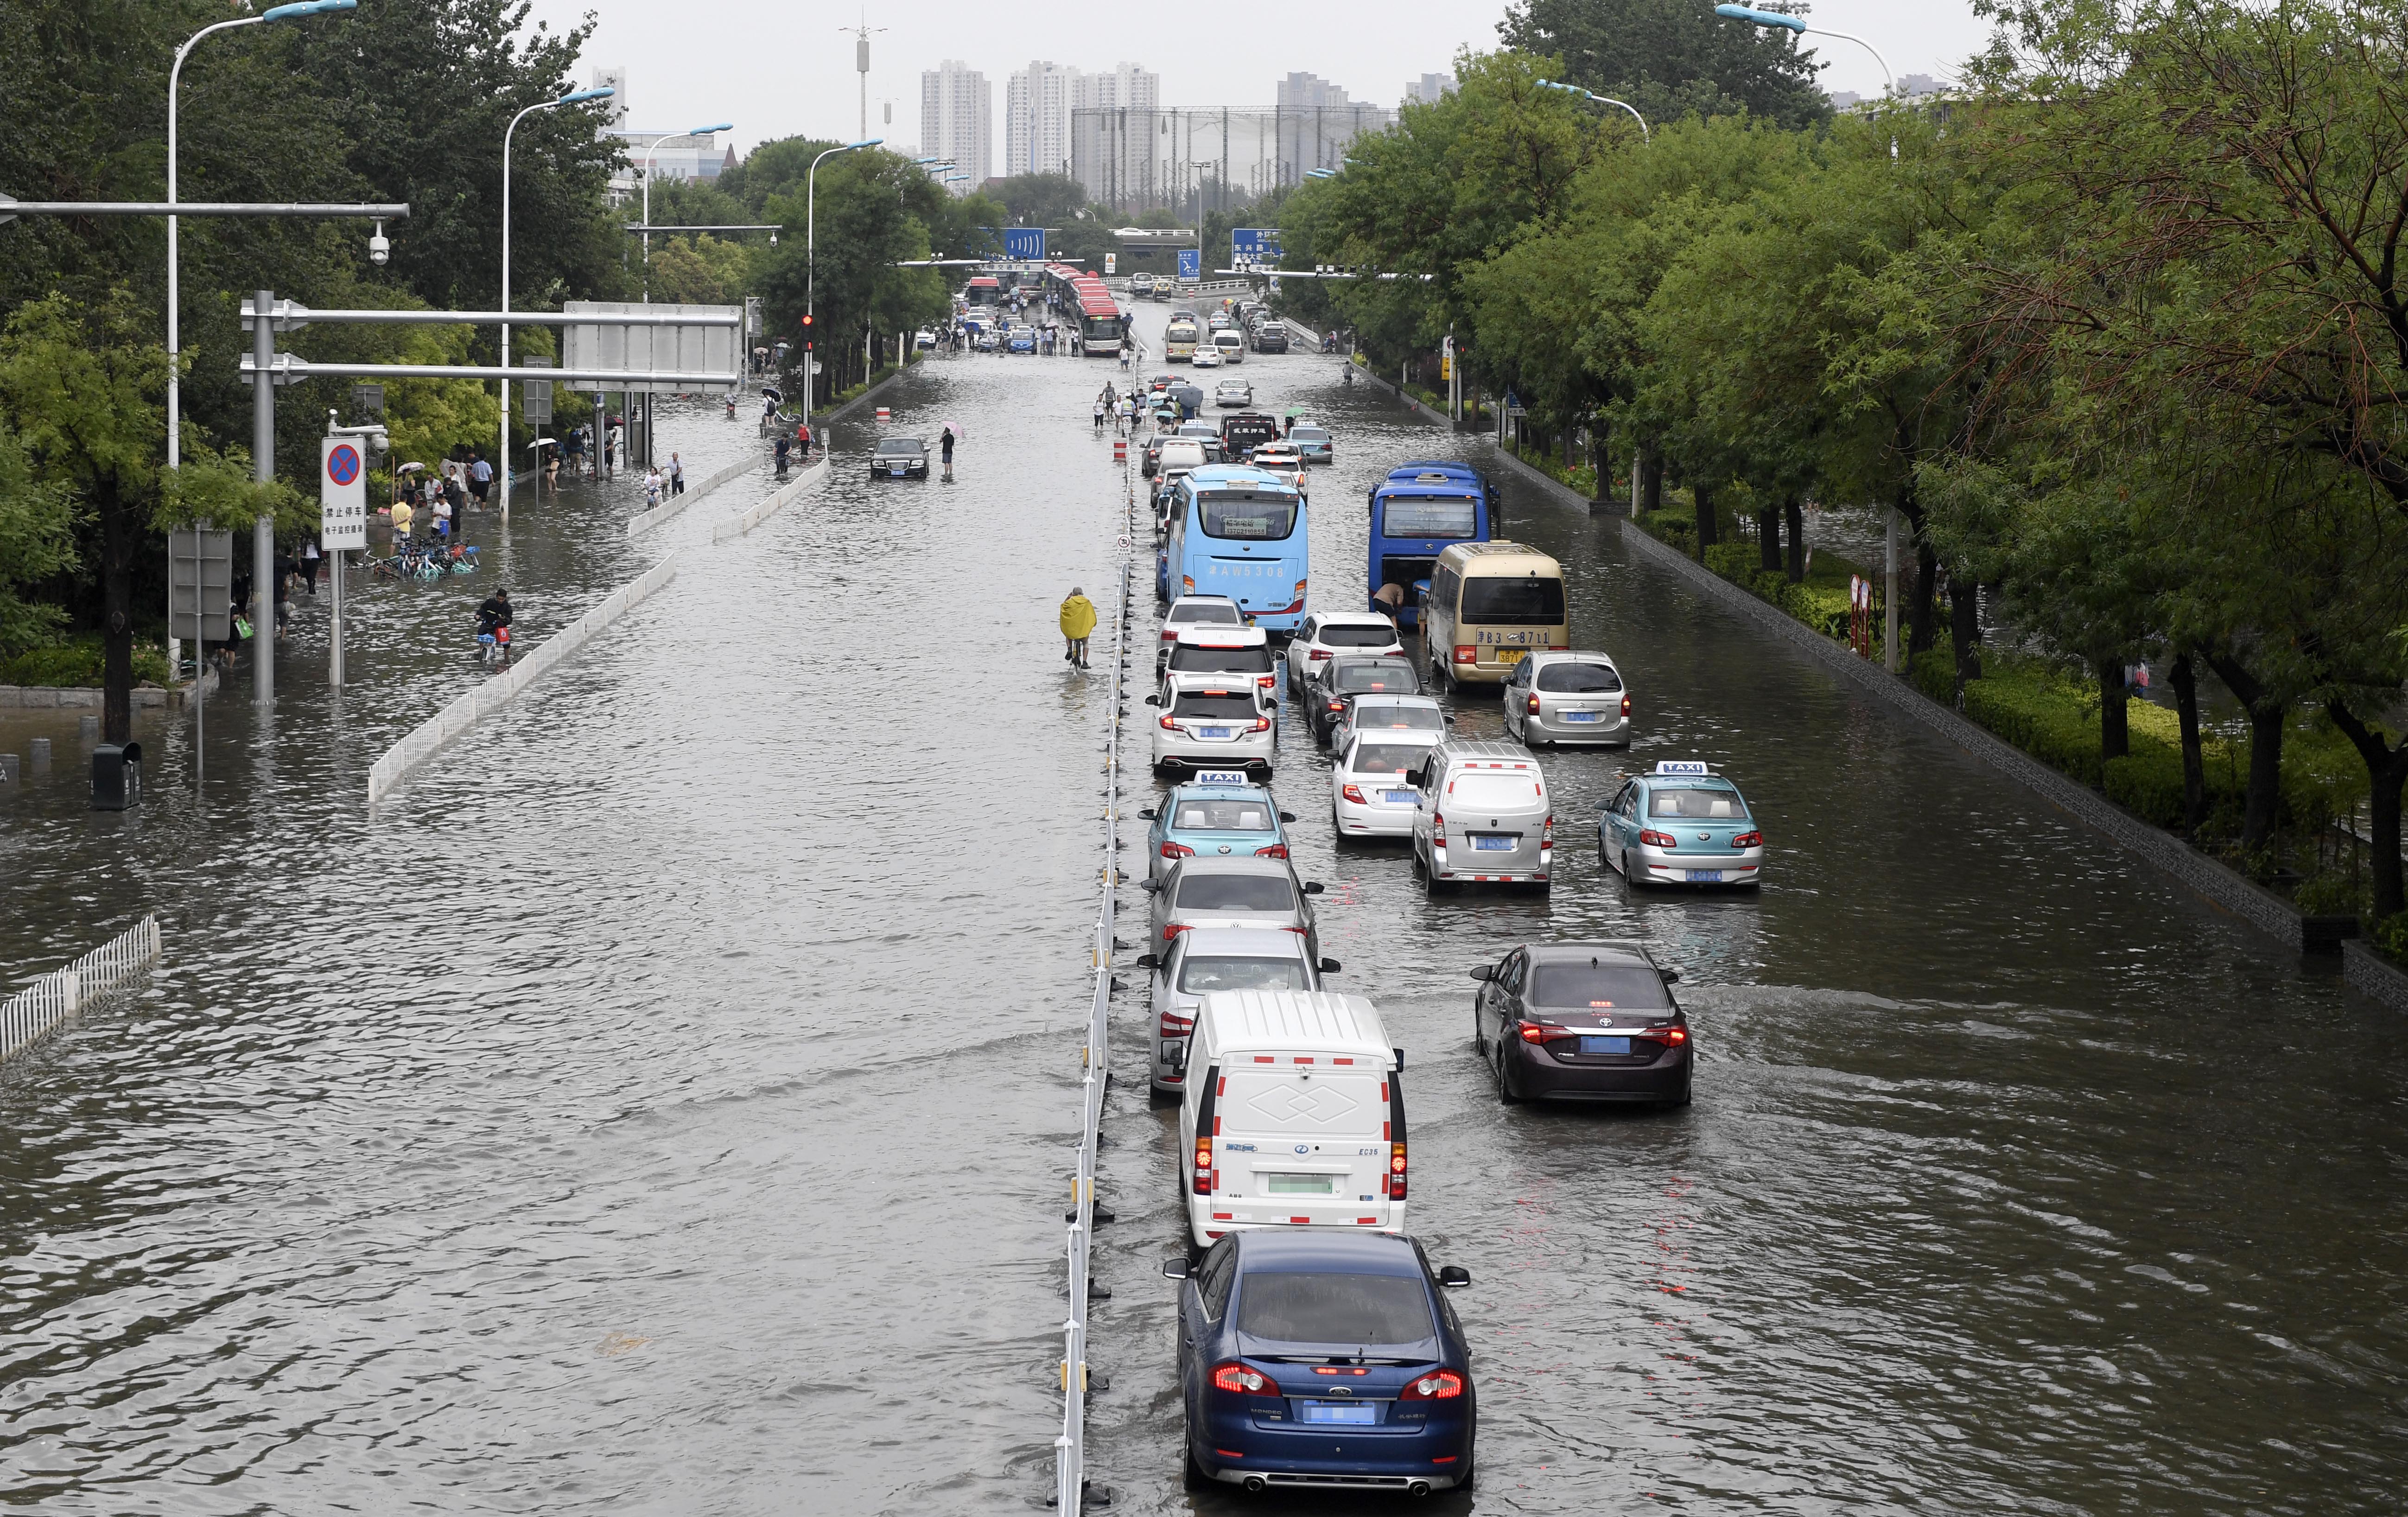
(1292, 1115)
(1232, 344)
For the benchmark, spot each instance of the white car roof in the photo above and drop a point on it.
(1355, 618)
(1203, 600)
(1396, 698)
(1256, 941)
(1192, 679)
(1244, 1021)
(1221, 635)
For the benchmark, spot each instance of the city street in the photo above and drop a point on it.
(665, 1100)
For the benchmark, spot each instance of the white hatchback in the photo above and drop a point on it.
(1213, 721)
(1368, 793)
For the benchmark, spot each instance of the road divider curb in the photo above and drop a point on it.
(669, 509)
(743, 522)
(423, 740)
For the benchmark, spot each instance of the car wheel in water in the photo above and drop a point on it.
(1505, 1095)
(1628, 876)
(1191, 1474)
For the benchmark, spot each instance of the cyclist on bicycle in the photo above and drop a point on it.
(494, 611)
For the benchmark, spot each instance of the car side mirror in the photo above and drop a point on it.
(1455, 1276)
(1147, 813)
(1671, 975)
(1450, 718)
(1312, 886)
(1148, 960)
(1400, 1057)
(1148, 885)
(1176, 1269)
(1154, 701)
(1483, 972)
(1331, 966)
(1287, 815)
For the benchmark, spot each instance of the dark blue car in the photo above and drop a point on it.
(1326, 1361)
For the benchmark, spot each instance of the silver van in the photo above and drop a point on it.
(1482, 815)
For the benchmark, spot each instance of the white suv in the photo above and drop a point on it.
(1213, 721)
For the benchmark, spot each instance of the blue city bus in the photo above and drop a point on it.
(1238, 531)
(1419, 511)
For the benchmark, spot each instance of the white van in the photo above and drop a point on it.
(1292, 1115)
(1232, 344)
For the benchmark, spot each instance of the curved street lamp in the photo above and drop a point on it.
(277, 13)
(1644, 135)
(699, 131)
(812, 263)
(502, 449)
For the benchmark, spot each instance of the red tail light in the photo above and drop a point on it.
(1532, 706)
(1547, 838)
(1657, 840)
(1170, 726)
(1465, 653)
(1748, 840)
(1536, 1032)
(1242, 1380)
(1336, 706)
(1204, 1166)
(1277, 850)
(1171, 930)
(1177, 1026)
(1395, 1172)
(1186, 584)
(1626, 705)
(1262, 724)
(1266, 681)
(1438, 831)
(1354, 793)
(1437, 1385)
(1176, 850)
(1676, 1036)
(1318, 654)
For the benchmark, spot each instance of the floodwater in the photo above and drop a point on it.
(665, 1101)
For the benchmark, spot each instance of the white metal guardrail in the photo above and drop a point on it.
(42, 1005)
(743, 522)
(1070, 1447)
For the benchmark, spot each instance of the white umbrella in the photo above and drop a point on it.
(408, 468)
(545, 443)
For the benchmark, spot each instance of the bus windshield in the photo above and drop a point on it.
(1257, 518)
(1453, 517)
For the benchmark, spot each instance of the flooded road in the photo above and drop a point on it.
(664, 1103)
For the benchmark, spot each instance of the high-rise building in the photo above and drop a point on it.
(1036, 118)
(1127, 87)
(957, 120)
(1426, 89)
(1316, 122)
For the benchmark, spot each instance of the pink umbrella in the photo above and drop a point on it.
(956, 429)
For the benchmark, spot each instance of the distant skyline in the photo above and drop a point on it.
(777, 70)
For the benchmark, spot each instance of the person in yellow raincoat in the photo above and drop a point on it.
(1077, 624)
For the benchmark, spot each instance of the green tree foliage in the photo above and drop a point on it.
(1672, 58)
(37, 541)
(701, 269)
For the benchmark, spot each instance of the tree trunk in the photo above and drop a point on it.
(118, 536)
(1767, 537)
(1651, 480)
(2184, 680)
(1921, 629)
(1706, 522)
(1965, 631)
(2263, 799)
(1598, 436)
(1796, 541)
(2115, 726)
(2387, 767)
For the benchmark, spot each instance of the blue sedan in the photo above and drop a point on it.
(1682, 825)
(1321, 1361)
(1023, 339)
(1218, 813)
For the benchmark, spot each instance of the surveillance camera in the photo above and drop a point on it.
(378, 249)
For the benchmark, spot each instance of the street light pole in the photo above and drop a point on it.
(699, 131)
(502, 451)
(811, 266)
(1644, 135)
(175, 75)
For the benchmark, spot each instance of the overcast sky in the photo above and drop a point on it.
(777, 70)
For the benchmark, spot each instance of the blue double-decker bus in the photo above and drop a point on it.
(1419, 511)
(1241, 532)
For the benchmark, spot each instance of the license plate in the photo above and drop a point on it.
(1214, 731)
(1492, 843)
(1511, 656)
(1605, 1045)
(895, 473)
(1579, 715)
(1705, 877)
(1397, 798)
(1354, 1413)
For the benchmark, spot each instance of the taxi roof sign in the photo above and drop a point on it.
(1680, 766)
(1220, 776)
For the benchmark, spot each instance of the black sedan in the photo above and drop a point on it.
(1583, 1021)
(1338, 680)
(900, 457)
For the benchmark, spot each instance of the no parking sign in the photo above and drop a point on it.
(342, 495)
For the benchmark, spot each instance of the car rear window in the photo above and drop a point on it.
(1237, 705)
(1431, 518)
(912, 445)
(1386, 675)
(1515, 791)
(1597, 987)
(1356, 637)
(1391, 714)
(1536, 600)
(1700, 805)
(1186, 659)
(1201, 976)
(1579, 679)
(1359, 1310)
(1308, 434)
(1208, 611)
(1235, 892)
(1387, 757)
(1221, 816)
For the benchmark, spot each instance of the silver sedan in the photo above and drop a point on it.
(1208, 959)
(1565, 698)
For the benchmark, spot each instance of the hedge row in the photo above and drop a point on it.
(77, 664)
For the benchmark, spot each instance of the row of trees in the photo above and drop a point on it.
(2117, 328)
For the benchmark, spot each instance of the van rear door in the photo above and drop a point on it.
(1315, 1133)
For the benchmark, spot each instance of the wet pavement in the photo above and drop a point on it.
(665, 1101)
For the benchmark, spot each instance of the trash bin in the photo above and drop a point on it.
(116, 776)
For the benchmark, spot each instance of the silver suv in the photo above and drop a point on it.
(1565, 698)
